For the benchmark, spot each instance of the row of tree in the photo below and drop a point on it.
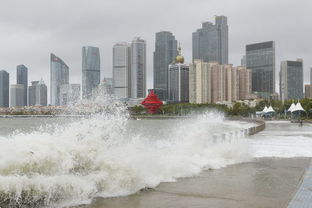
(238, 109)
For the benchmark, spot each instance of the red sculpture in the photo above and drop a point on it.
(152, 103)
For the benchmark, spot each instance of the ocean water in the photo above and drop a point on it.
(60, 162)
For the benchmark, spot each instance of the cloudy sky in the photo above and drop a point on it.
(30, 30)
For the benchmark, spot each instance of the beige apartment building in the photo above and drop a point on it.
(212, 82)
(308, 91)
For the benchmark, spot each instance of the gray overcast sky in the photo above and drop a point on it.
(30, 30)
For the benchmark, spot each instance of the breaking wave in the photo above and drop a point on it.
(109, 155)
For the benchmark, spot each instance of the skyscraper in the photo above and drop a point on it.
(291, 79)
(311, 76)
(165, 54)
(69, 94)
(210, 43)
(91, 74)
(138, 68)
(4, 88)
(121, 70)
(178, 80)
(260, 58)
(37, 93)
(17, 95)
(22, 78)
(59, 76)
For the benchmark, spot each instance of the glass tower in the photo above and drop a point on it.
(291, 80)
(260, 58)
(91, 74)
(4, 88)
(22, 78)
(59, 76)
(210, 43)
(165, 54)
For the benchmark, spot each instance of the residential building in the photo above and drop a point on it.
(260, 58)
(22, 78)
(291, 79)
(210, 43)
(164, 54)
(4, 88)
(308, 91)
(17, 95)
(200, 83)
(216, 83)
(91, 74)
(138, 68)
(59, 76)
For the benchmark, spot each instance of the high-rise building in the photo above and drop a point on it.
(121, 70)
(105, 87)
(178, 80)
(200, 82)
(308, 91)
(212, 82)
(22, 78)
(38, 93)
(138, 68)
(244, 82)
(311, 76)
(4, 89)
(291, 79)
(59, 76)
(17, 95)
(69, 94)
(165, 54)
(260, 58)
(91, 74)
(210, 43)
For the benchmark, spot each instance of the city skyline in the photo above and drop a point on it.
(45, 37)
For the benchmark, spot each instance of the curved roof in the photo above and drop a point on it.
(298, 107)
(291, 107)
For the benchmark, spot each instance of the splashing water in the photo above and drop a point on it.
(110, 155)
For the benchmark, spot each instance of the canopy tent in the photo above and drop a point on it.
(297, 107)
(270, 110)
(291, 107)
(265, 109)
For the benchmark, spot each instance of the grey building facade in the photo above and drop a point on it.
(178, 83)
(4, 89)
(69, 94)
(59, 75)
(138, 68)
(291, 80)
(122, 70)
(91, 70)
(260, 58)
(211, 42)
(22, 78)
(311, 76)
(165, 54)
(17, 95)
(38, 93)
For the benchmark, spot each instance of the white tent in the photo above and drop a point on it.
(291, 107)
(270, 110)
(298, 107)
(265, 109)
